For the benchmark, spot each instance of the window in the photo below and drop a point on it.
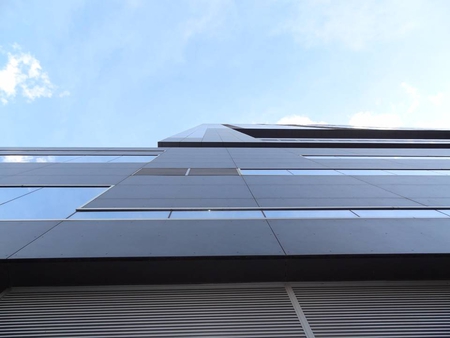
(44, 203)
(74, 159)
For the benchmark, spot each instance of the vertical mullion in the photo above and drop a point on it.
(298, 310)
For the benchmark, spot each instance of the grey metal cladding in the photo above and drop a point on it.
(14, 235)
(213, 172)
(343, 202)
(301, 180)
(319, 191)
(181, 191)
(172, 203)
(183, 180)
(175, 238)
(162, 171)
(362, 236)
(419, 190)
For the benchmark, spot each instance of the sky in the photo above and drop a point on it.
(131, 73)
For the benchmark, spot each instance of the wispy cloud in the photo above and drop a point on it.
(415, 110)
(23, 75)
(354, 23)
(370, 119)
(297, 119)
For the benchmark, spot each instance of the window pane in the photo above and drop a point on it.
(444, 211)
(309, 214)
(93, 159)
(315, 172)
(265, 172)
(38, 159)
(217, 214)
(120, 215)
(365, 172)
(134, 159)
(48, 203)
(399, 214)
(413, 172)
(8, 194)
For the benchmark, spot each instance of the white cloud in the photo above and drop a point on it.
(297, 119)
(23, 75)
(24, 158)
(354, 23)
(416, 109)
(370, 119)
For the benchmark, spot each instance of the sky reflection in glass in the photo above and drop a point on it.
(48, 203)
(8, 194)
(120, 215)
(35, 159)
(134, 159)
(217, 214)
(309, 214)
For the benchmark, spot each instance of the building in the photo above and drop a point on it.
(230, 231)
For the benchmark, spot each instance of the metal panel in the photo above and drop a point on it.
(149, 312)
(376, 310)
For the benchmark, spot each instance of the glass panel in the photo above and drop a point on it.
(38, 159)
(265, 172)
(444, 211)
(442, 172)
(364, 172)
(93, 159)
(8, 194)
(414, 172)
(120, 215)
(48, 203)
(225, 214)
(134, 159)
(399, 214)
(309, 214)
(315, 172)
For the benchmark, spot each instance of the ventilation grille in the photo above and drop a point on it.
(376, 311)
(195, 312)
(162, 171)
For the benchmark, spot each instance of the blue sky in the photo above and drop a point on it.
(130, 73)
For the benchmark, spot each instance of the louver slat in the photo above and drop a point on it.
(196, 312)
(367, 311)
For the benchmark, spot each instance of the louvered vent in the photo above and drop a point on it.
(149, 312)
(162, 171)
(391, 310)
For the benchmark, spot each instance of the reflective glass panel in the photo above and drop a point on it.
(38, 159)
(217, 214)
(48, 203)
(414, 172)
(134, 159)
(315, 172)
(444, 211)
(8, 194)
(309, 214)
(365, 172)
(120, 215)
(399, 214)
(442, 172)
(265, 172)
(93, 159)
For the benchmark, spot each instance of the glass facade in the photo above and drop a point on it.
(74, 159)
(44, 203)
